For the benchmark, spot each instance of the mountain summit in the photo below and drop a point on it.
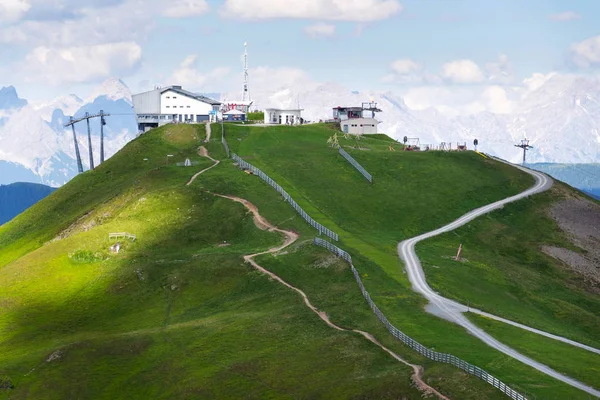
(9, 99)
(113, 89)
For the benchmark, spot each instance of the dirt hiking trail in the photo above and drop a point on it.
(204, 153)
(290, 238)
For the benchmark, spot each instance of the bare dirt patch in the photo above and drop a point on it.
(580, 219)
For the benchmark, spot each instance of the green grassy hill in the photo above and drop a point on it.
(177, 314)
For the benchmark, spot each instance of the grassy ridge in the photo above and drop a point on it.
(176, 314)
(509, 275)
(369, 224)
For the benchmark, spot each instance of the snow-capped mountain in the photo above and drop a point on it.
(36, 147)
(560, 116)
(9, 99)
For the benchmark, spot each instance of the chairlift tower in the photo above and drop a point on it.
(525, 146)
(87, 118)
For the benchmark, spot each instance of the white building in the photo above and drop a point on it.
(172, 104)
(359, 126)
(283, 117)
(357, 120)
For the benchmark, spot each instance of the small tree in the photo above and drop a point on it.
(256, 116)
(333, 141)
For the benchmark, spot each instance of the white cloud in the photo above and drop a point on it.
(189, 75)
(13, 10)
(185, 8)
(536, 81)
(407, 71)
(565, 16)
(586, 54)
(80, 64)
(70, 22)
(336, 10)
(500, 71)
(496, 100)
(462, 71)
(405, 67)
(320, 30)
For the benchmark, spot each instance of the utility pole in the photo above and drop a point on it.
(87, 118)
(102, 123)
(79, 165)
(525, 146)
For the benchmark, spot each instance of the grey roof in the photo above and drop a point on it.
(184, 92)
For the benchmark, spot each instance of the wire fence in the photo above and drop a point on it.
(247, 166)
(223, 140)
(356, 165)
(407, 340)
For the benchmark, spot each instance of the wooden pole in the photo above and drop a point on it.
(458, 253)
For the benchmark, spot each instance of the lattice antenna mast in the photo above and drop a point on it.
(246, 93)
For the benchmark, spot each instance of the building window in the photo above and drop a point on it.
(188, 106)
(180, 106)
(168, 97)
(174, 97)
(168, 106)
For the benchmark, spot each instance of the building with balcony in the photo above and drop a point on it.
(172, 104)
(357, 120)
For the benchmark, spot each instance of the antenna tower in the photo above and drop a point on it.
(525, 146)
(246, 94)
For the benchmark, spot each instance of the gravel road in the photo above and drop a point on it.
(453, 311)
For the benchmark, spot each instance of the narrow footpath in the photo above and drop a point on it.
(290, 238)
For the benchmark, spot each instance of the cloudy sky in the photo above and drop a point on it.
(432, 52)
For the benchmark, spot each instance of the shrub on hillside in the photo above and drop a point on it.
(86, 257)
(256, 116)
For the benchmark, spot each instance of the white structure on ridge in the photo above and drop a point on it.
(283, 117)
(356, 120)
(172, 104)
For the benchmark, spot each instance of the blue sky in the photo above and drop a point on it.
(55, 47)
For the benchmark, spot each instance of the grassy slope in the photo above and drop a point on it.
(507, 274)
(175, 315)
(371, 219)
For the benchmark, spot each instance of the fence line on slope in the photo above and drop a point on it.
(407, 340)
(247, 166)
(223, 140)
(356, 165)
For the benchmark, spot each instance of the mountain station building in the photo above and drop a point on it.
(173, 104)
(357, 120)
(283, 117)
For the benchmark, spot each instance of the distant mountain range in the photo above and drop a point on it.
(585, 177)
(561, 118)
(17, 197)
(35, 146)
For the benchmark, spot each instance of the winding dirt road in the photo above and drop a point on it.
(290, 238)
(453, 311)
